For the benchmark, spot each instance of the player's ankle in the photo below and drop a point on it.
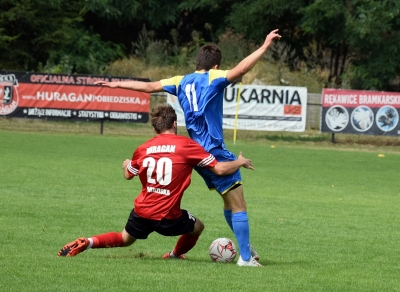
(90, 243)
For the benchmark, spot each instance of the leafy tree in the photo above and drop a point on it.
(154, 12)
(357, 40)
(45, 32)
(373, 32)
(325, 22)
(121, 21)
(362, 36)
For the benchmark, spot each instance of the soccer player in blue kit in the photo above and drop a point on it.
(200, 95)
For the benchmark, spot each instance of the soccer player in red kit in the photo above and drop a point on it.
(164, 166)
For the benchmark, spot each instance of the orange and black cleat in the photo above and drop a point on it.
(73, 248)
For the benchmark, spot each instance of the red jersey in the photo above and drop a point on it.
(164, 165)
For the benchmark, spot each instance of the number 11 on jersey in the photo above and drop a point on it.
(191, 92)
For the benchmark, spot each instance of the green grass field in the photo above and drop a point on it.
(322, 219)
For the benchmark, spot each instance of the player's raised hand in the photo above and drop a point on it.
(108, 84)
(246, 163)
(273, 35)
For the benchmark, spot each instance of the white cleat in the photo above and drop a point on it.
(254, 253)
(251, 263)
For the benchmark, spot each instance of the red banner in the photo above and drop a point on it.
(354, 98)
(70, 97)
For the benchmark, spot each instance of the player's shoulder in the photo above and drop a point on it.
(172, 81)
(217, 73)
(146, 144)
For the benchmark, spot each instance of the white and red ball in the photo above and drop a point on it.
(222, 250)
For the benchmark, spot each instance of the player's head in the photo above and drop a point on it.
(163, 118)
(207, 57)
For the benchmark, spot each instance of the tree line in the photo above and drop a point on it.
(356, 40)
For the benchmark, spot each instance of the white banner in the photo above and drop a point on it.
(261, 108)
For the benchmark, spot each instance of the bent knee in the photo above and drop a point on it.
(201, 226)
(198, 227)
(127, 239)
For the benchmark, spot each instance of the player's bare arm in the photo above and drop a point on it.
(125, 164)
(141, 86)
(249, 62)
(229, 167)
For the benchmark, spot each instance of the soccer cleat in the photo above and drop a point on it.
(73, 248)
(168, 256)
(251, 263)
(254, 253)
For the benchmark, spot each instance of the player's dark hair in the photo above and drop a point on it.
(207, 57)
(162, 118)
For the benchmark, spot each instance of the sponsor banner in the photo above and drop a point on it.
(360, 112)
(72, 97)
(261, 108)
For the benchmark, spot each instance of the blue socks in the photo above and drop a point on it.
(228, 218)
(239, 223)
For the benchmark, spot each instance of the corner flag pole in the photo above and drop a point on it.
(236, 114)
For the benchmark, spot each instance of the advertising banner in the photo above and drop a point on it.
(360, 112)
(73, 97)
(258, 107)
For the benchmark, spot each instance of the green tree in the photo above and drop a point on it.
(357, 40)
(121, 21)
(361, 36)
(154, 12)
(373, 32)
(46, 32)
(325, 22)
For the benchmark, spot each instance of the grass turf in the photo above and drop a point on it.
(321, 219)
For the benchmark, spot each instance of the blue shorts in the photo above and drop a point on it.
(224, 183)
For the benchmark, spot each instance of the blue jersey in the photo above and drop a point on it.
(200, 95)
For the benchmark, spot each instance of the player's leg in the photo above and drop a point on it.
(234, 201)
(187, 241)
(228, 218)
(109, 239)
(209, 178)
(190, 229)
(105, 240)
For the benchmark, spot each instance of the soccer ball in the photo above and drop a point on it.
(222, 250)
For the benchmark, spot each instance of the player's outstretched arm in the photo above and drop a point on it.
(229, 167)
(141, 86)
(247, 63)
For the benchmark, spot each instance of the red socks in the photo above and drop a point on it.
(185, 243)
(114, 239)
(110, 239)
